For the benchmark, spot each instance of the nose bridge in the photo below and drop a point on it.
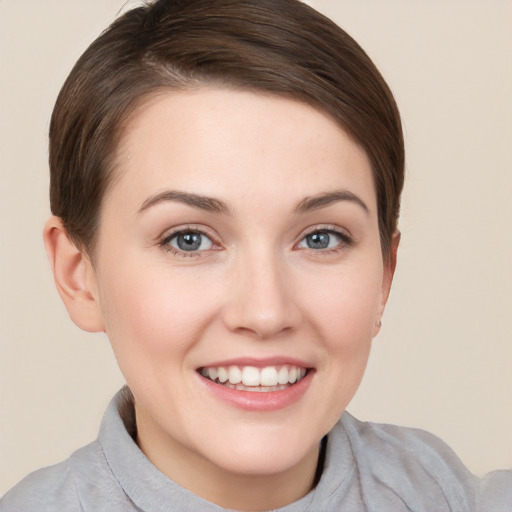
(262, 302)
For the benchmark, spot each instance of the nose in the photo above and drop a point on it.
(262, 304)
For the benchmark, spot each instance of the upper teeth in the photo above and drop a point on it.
(253, 376)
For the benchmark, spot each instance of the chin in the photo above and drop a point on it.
(263, 453)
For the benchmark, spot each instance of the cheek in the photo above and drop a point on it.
(346, 307)
(156, 309)
(344, 315)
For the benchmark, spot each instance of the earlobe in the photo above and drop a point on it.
(389, 272)
(74, 277)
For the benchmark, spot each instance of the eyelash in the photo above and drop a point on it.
(165, 242)
(345, 241)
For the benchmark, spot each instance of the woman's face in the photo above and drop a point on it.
(239, 241)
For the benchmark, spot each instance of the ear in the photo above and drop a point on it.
(74, 277)
(389, 272)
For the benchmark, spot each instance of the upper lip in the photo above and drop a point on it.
(259, 362)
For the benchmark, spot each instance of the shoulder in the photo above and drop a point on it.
(495, 492)
(50, 489)
(412, 463)
(67, 486)
(422, 469)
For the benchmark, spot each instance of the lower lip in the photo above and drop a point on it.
(259, 401)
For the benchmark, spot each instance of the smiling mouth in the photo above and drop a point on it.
(252, 378)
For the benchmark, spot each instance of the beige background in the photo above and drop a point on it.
(443, 360)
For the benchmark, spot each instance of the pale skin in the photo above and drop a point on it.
(288, 265)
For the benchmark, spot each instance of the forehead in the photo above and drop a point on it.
(229, 141)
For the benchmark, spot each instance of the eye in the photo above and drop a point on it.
(189, 241)
(322, 239)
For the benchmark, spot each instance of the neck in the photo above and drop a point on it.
(257, 492)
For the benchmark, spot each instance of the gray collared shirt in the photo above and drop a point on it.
(368, 467)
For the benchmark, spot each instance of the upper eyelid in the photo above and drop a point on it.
(188, 228)
(326, 227)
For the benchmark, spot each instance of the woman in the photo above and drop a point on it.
(225, 188)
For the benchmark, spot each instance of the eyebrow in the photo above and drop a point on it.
(326, 199)
(209, 204)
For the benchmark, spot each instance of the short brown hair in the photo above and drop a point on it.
(282, 47)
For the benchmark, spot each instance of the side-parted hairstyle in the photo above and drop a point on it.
(281, 47)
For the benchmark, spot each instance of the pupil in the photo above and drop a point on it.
(318, 241)
(189, 241)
